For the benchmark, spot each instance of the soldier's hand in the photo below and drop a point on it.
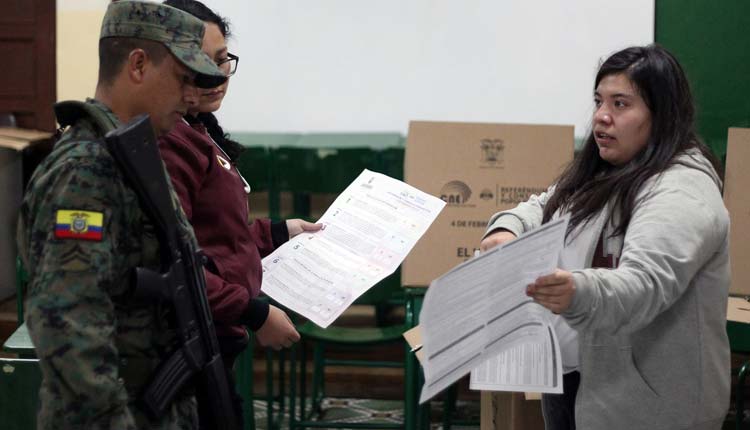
(278, 331)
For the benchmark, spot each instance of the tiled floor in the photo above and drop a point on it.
(375, 411)
(370, 411)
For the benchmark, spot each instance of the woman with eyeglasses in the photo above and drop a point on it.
(200, 159)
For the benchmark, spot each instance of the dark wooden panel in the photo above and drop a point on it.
(27, 49)
(16, 105)
(19, 69)
(27, 119)
(17, 32)
(46, 71)
(15, 11)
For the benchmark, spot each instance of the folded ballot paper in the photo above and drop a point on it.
(367, 232)
(477, 318)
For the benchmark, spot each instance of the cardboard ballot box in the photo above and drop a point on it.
(478, 169)
(498, 410)
(737, 200)
(20, 151)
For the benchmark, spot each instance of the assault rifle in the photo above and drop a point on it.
(181, 282)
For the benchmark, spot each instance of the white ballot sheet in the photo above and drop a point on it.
(480, 309)
(367, 232)
(532, 366)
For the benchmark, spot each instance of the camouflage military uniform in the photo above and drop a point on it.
(81, 230)
(97, 347)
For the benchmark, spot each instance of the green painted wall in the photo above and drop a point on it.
(711, 39)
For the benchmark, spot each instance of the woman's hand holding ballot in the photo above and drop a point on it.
(554, 292)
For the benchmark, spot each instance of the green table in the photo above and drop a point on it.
(20, 380)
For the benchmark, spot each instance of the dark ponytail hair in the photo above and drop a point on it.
(589, 182)
(208, 119)
(231, 147)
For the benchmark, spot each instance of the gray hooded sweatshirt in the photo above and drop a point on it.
(654, 352)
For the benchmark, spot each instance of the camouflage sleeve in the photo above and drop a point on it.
(72, 261)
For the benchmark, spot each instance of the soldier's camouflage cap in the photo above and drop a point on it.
(179, 31)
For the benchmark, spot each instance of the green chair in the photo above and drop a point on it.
(450, 398)
(305, 165)
(416, 416)
(244, 383)
(340, 338)
(275, 394)
(739, 342)
(19, 392)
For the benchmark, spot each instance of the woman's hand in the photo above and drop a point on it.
(555, 292)
(498, 237)
(297, 226)
(278, 331)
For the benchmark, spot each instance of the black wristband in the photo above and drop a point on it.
(279, 233)
(255, 314)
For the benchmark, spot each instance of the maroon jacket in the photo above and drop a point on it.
(213, 198)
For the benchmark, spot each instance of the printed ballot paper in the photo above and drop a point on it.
(367, 232)
(479, 311)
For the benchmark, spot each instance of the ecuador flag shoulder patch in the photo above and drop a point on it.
(78, 224)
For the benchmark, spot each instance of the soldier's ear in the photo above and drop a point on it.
(136, 64)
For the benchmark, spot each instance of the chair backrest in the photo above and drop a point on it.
(384, 291)
(20, 380)
(739, 337)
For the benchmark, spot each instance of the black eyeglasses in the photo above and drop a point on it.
(229, 64)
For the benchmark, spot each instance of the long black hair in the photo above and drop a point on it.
(232, 148)
(589, 182)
